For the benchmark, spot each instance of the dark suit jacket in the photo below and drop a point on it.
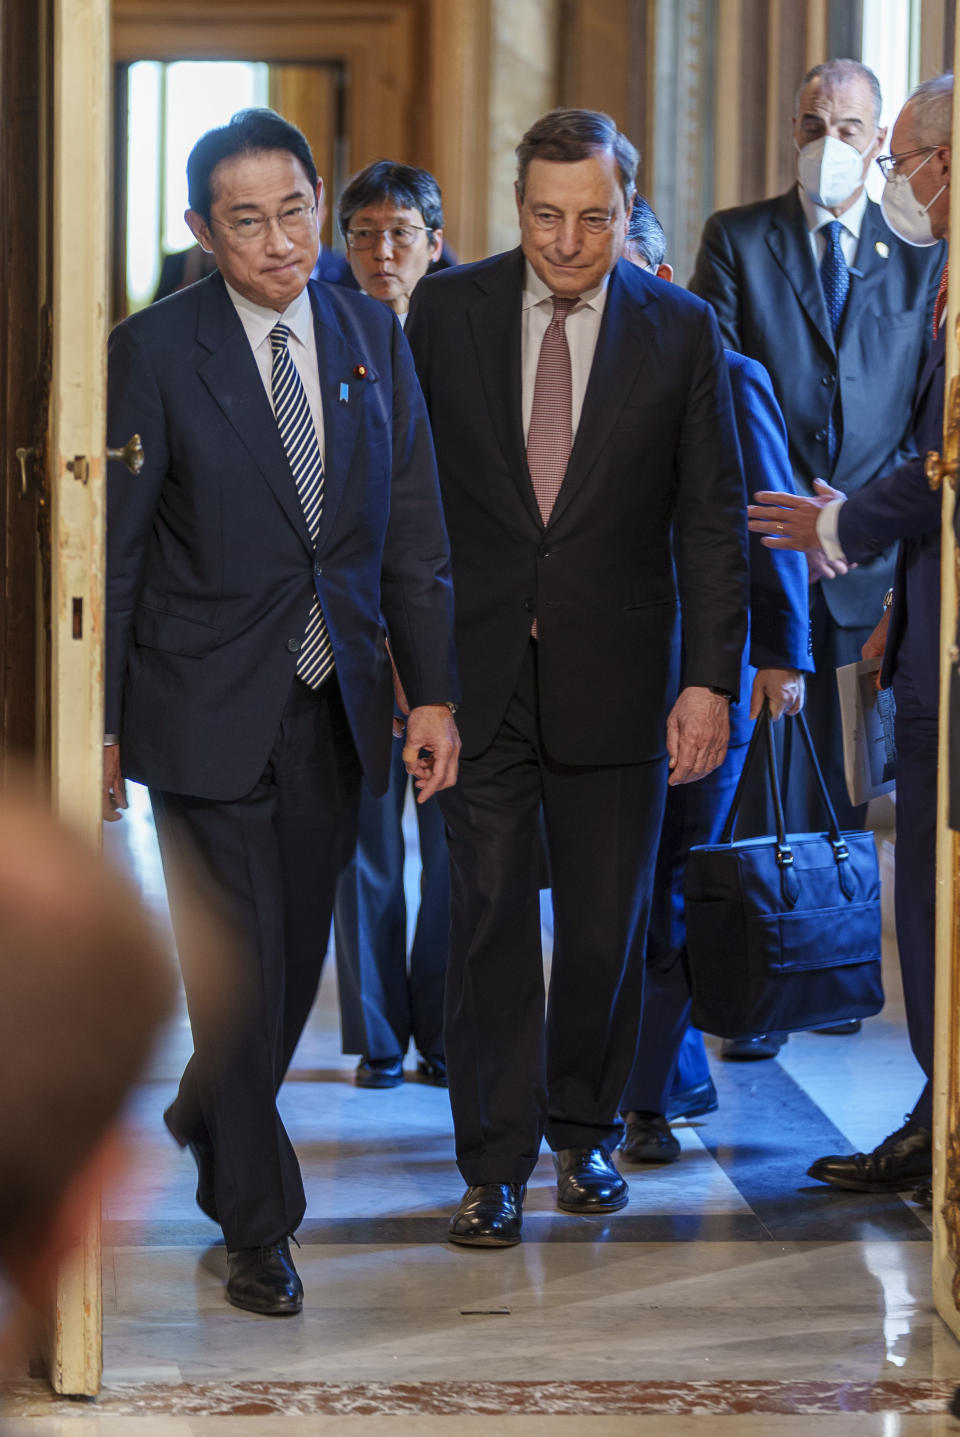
(655, 444)
(334, 268)
(757, 269)
(901, 506)
(779, 615)
(210, 571)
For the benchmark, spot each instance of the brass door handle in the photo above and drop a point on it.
(23, 454)
(131, 454)
(937, 469)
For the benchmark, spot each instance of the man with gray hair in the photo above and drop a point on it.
(581, 414)
(899, 508)
(837, 308)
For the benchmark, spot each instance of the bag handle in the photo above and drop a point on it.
(762, 738)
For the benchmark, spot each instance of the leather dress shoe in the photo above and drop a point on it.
(900, 1161)
(692, 1102)
(432, 1071)
(841, 1030)
(264, 1280)
(201, 1150)
(648, 1139)
(379, 1072)
(489, 1215)
(922, 1195)
(748, 1050)
(588, 1182)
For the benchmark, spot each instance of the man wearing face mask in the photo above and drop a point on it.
(837, 308)
(899, 506)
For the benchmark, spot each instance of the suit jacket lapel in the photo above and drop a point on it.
(789, 242)
(623, 348)
(496, 324)
(230, 373)
(343, 403)
(871, 263)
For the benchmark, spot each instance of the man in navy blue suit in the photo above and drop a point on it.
(899, 507)
(582, 417)
(288, 499)
(774, 662)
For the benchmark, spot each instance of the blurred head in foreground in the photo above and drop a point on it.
(84, 984)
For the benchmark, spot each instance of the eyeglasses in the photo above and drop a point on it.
(293, 221)
(888, 163)
(548, 220)
(399, 236)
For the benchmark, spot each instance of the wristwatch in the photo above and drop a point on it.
(887, 600)
(721, 693)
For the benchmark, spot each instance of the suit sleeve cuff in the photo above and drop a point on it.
(828, 529)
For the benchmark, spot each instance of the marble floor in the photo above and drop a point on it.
(732, 1295)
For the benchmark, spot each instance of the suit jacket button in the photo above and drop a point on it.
(820, 434)
(543, 552)
(293, 646)
(826, 379)
(529, 605)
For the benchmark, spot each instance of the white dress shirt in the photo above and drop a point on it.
(258, 321)
(582, 327)
(851, 220)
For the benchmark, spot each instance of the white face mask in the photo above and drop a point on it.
(829, 171)
(902, 210)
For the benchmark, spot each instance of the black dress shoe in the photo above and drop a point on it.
(201, 1150)
(379, 1072)
(489, 1215)
(692, 1102)
(588, 1182)
(900, 1161)
(922, 1195)
(432, 1071)
(841, 1030)
(748, 1050)
(648, 1139)
(264, 1280)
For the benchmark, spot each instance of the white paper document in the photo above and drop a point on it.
(869, 755)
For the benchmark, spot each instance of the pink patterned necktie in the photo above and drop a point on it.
(550, 436)
(940, 303)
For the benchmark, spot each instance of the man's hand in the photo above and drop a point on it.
(876, 645)
(820, 567)
(698, 731)
(789, 521)
(114, 788)
(783, 688)
(432, 732)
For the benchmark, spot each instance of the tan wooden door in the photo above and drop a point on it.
(77, 110)
(946, 1117)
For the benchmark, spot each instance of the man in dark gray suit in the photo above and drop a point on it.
(815, 285)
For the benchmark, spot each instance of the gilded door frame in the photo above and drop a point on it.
(946, 1112)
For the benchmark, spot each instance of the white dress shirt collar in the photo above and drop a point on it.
(258, 320)
(536, 292)
(816, 216)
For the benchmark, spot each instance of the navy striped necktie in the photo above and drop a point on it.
(299, 436)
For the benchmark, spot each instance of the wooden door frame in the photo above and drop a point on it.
(418, 73)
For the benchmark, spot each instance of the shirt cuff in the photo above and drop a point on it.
(828, 525)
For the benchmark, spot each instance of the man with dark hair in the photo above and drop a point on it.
(837, 309)
(392, 218)
(900, 507)
(671, 1076)
(288, 498)
(581, 412)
